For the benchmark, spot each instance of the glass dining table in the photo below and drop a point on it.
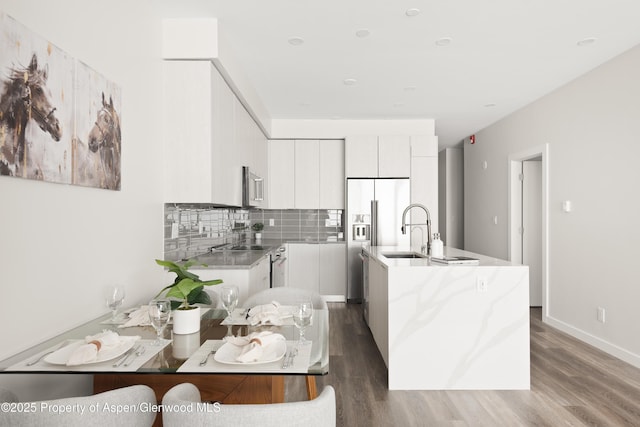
(200, 358)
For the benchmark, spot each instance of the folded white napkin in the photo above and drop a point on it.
(138, 317)
(266, 314)
(254, 344)
(87, 353)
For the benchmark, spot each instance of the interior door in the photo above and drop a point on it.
(532, 225)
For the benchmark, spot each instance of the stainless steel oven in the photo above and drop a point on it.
(279, 267)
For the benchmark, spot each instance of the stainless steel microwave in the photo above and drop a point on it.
(252, 188)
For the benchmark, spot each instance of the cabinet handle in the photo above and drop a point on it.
(259, 187)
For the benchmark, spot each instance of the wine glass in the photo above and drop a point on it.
(114, 296)
(229, 298)
(159, 314)
(302, 316)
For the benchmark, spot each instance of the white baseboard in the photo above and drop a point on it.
(333, 298)
(599, 343)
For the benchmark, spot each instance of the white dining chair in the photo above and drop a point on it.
(108, 409)
(319, 412)
(285, 295)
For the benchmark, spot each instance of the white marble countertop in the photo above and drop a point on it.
(378, 252)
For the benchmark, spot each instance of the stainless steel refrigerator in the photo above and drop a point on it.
(373, 216)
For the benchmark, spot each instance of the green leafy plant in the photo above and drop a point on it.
(187, 287)
(257, 227)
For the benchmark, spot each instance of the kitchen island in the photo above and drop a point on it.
(448, 327)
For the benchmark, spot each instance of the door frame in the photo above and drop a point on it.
(514, 167)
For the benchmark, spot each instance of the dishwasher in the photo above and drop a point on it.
(279, 267)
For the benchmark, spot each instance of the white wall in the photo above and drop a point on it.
(60, 245)
(451, 196)
(591, 126)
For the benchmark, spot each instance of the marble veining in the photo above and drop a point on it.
(446, 333)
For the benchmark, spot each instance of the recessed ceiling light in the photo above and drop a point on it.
(586, 42)
(349, 82)
(362, 33)
(398, 104)
(304, 104)
(489, 105)
(410, 88)
(296, 41)
(412, 12)
(443, 41)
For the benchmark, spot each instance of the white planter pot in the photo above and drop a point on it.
(186, 321)
(258, 237)
(184, 345)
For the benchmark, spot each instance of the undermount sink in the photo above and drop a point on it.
(404, 255)
(247, 248)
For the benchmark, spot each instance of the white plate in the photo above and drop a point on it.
(60, 357)
(228, 352)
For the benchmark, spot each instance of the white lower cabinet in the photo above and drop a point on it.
(259, 276)
(333, 271)
(248, 280)
(303, 264)
(319, 268)
(379, 307)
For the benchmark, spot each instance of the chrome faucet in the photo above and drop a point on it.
(428, 223)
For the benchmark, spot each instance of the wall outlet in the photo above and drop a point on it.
(272, 222)
(482, 284)
(601, 314)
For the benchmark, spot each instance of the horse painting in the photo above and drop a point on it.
(99, 160)
(25, 99)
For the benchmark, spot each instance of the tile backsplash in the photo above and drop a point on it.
(300, 225)
(191, 229)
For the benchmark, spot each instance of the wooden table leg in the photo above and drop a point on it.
(277, 389)
(312, 390)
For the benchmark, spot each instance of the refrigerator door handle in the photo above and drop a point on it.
(374, 223)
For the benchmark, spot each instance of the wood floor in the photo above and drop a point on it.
(572, 384)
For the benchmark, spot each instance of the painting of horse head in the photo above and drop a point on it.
(59, 118)
(98, 160)
(25, 98)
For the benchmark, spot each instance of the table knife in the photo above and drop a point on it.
(126, 355)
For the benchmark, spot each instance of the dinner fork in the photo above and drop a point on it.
(206, 359)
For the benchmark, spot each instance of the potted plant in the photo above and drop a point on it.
(257, 227)
(188, 289)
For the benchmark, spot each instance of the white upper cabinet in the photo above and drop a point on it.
(377, 156)
(214, 138)
(394, 156)
(227, 175)
(361, 156)
(281, 154)
(188, 150)
(332, 174)
(307, 174)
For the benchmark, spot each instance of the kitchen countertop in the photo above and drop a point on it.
(229, 259)
(378, 251)
(241, 259)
